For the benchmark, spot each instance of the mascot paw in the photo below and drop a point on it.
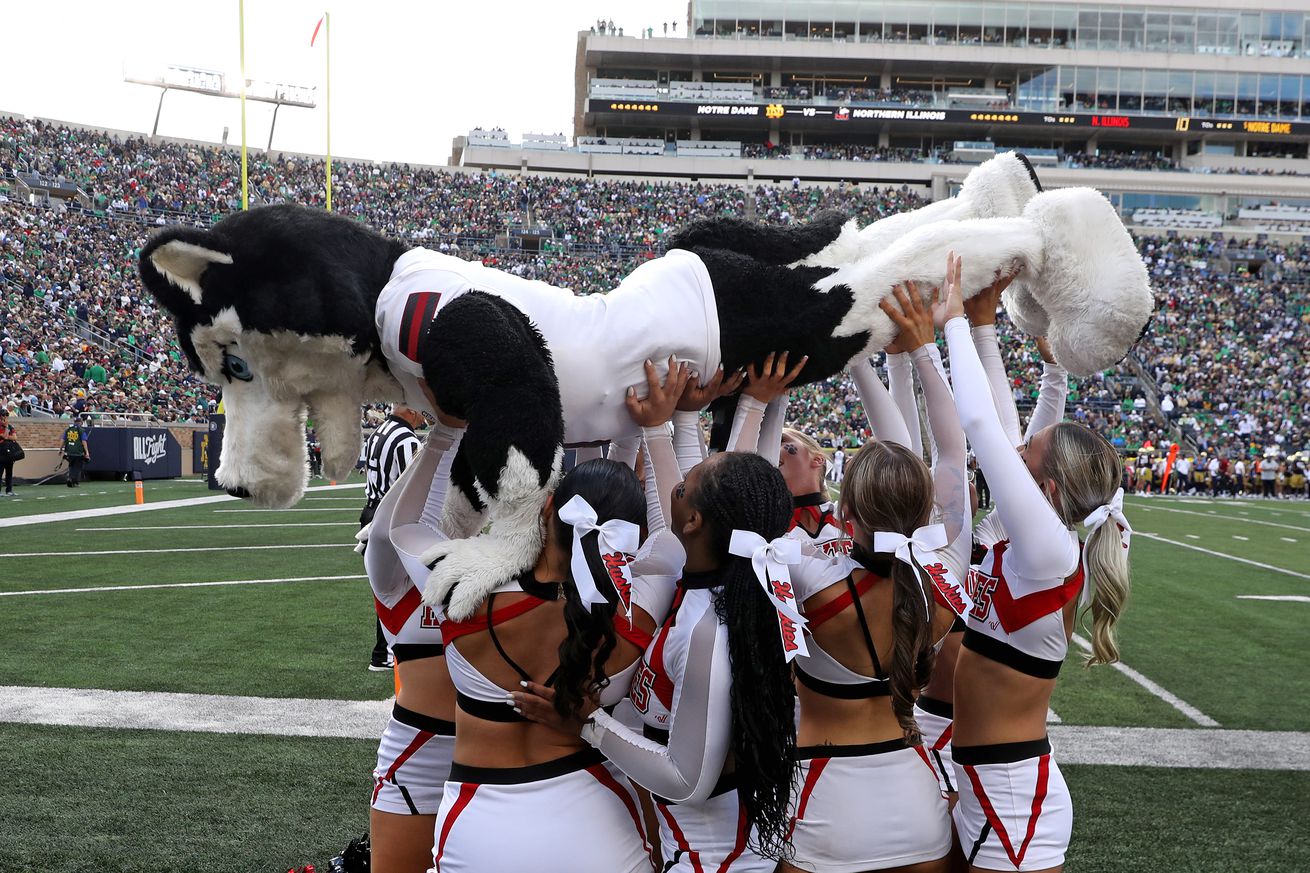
(469, 570)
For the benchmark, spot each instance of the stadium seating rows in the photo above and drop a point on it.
(77, 332)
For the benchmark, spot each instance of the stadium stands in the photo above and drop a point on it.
(73, 303)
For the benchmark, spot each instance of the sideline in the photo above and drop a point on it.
(172, 551)
(78, 514)
(1224, 517)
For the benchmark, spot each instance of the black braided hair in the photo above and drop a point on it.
(614, 492)
(739, 491)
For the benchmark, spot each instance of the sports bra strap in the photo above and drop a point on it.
(633, 634)
(864, 628)
(495, 640)
(816, 617)
(452, 630)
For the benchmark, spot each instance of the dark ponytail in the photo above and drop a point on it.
(889, 488)
(614, 492)
(740, 491)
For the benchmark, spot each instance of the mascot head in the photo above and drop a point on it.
(275, 306)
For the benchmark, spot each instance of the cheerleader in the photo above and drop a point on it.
(577, 622)
(415, 751)
(1014, 811)
(714, 689)
(934, 709)
(874, 619)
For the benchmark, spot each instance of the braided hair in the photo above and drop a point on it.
(614, 492)
(739, 491)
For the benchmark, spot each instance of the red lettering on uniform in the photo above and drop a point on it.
(781, 590)
(614, 564)
(937, 572)
(982, 595)
(429, 618)
(642, 684)
(836, 547)
(788, 627)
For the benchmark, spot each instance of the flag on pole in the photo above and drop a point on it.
(317, 28)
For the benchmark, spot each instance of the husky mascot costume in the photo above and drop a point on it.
(293, 311)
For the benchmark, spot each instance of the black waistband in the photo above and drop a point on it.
(805, 753)
(858, 691)
(727, 782)
(579, 760)
(418, 720)
(958, 625)
(1004, 653)
(487, 710)
(1001, 753)
(659, 735)
(933, 706)
(413, 651)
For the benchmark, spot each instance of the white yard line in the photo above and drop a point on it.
(1259, 564)
(365, 719)
(1051, 717)
(172, 551)
(221, 526)
(316, 509)
(1168, 697)
(1287, 539)
(102, 588)
(78, 514)
(1236, 537)
(1213, 514)
(1287, 598)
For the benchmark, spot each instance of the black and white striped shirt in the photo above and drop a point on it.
(387, 453)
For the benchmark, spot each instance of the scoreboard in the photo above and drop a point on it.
(765, 113)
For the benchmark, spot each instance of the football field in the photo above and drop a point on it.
(183, 687)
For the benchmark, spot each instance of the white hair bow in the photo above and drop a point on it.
(770, 560)
(1114, 510)
(928, 538)
(617, 540)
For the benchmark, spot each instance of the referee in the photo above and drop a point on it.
(387, 453)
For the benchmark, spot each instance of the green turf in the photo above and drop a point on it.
(81, 800)
(152, 801)
(1153, 820)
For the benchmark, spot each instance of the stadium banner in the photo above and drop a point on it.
(765, 113)
(200, 452)
(214, 449)
(151, 451)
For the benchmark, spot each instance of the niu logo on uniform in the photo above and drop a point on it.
(642, 684)
(984, 587)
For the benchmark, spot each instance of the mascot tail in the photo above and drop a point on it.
(766, 243)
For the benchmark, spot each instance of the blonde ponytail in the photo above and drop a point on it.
(1085, 469)
(1107, 572)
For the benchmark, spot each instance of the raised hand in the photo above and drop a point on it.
(696, 396)
(661, 397)
(953, 305)
(773, 379)
(981, 307)
(537, 703)
(911, 315)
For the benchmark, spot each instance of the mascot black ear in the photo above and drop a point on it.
(172, 263)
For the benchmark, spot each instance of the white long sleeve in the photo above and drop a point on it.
(885, 419)
(700, 731)
(688, 440)
(746, 425)
(625, 451)
(1042, 549)
(950, 475)
(775, 418)
(662, 473)
(900, 384)
(988, 348)
(1050, 399)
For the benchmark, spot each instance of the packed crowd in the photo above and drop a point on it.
(1229, 347)
(73, 304)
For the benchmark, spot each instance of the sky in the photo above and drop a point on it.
(406, 76)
